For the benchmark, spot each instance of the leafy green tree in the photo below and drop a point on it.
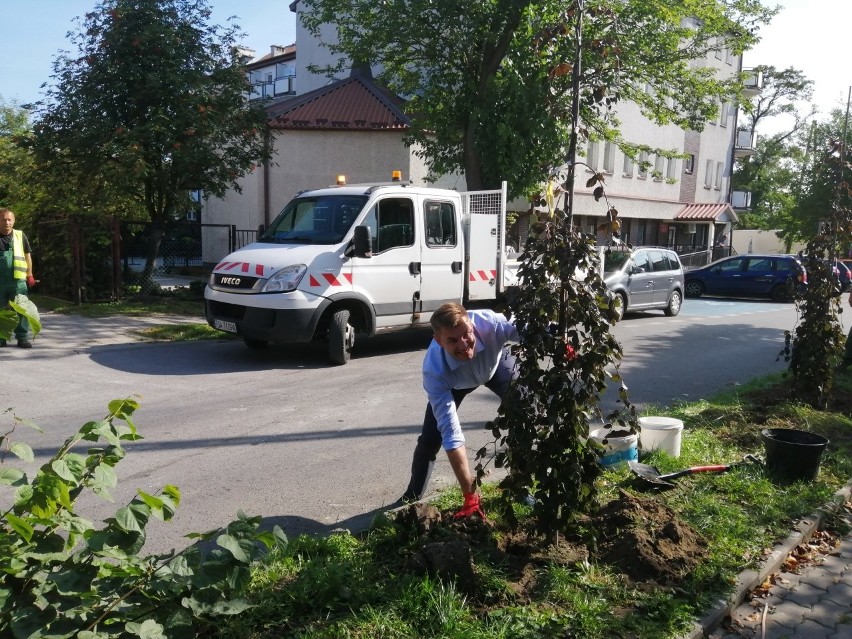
(14, 158)
(821, 175)
(490, 82)
(772, 175)
(150, 106)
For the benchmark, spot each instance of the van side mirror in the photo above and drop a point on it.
(363, 246)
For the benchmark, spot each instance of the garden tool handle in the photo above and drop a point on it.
(716, 468)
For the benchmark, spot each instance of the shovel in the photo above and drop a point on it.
(652, 475)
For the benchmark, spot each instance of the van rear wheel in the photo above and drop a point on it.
(341, 338)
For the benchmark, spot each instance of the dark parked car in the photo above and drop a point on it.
(775, 276)
(644, 279)
(844, 274)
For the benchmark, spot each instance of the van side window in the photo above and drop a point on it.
(440, 223)
(391, 224)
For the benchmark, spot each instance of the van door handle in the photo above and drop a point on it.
(456, 267)
(414, 268)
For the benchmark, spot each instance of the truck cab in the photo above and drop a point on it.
(308, 278)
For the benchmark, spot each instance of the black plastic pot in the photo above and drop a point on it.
(792, 455)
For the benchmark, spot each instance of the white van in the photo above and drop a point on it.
(361, 258)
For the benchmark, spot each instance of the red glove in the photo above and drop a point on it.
(472, 506)
(570, 353)
(31, 281)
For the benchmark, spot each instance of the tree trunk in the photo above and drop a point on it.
(155, 239)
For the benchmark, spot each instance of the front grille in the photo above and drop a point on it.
(227, 281)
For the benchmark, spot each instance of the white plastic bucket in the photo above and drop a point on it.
(616, 449)
(660, 433)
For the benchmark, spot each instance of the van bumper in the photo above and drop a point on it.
(293, 323)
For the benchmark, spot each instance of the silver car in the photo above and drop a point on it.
(643, 279)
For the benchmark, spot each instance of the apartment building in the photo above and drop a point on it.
(350, 125)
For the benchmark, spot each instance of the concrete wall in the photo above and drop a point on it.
(308, 160)
(761, 242)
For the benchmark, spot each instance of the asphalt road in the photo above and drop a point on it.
(309, 446)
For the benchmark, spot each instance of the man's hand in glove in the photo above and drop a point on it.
(31, 281)
(472, 506)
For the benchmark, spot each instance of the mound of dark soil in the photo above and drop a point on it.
(638, 536)
(645, 539)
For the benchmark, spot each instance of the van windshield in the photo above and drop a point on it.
(315, 220)
(614, 260)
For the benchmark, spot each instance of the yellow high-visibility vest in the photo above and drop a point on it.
(19, 261)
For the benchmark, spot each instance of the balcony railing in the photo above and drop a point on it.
(753, 82)
(741, 199)
(744, 143)
(280, 86)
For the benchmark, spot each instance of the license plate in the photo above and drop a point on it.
(230, 327)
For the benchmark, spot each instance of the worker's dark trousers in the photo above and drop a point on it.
(429, 442)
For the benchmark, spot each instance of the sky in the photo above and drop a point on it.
(33, 31)
(807, 34)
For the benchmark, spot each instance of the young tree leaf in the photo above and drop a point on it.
(22, 451)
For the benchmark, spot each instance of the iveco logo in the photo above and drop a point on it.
(233, 281)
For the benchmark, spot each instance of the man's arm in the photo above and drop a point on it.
(461, 469)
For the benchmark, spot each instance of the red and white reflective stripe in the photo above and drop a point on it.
(242, 266)
(482, 276)
(330, 280)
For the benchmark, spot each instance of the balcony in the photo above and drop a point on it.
(744, 143)
(285, 85)
(741, 199)
(752, 82)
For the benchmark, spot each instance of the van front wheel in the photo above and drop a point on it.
(341, 338)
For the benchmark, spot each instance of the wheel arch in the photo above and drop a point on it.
(361, 313)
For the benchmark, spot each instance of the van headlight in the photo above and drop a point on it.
(285, 280)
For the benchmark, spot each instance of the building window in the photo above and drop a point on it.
(720, 168)
(708, 174)
(659, 165)
(723, 114)
(592, 155)
(671, 167)
(689, 164)
(627, 168)
(609, 157)
(643, 165)
(729, 56)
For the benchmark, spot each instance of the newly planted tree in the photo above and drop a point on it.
(814, 346)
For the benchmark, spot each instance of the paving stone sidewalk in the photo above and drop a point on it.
(813, 602)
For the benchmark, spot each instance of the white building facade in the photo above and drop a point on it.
(348, 125)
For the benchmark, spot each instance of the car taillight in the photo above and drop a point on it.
(803, 277)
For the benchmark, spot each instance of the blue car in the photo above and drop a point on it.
(775, 276)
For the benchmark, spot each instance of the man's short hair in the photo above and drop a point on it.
(448, 315)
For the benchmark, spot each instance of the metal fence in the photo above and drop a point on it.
(89, 257)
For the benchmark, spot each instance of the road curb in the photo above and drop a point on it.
(748, 580)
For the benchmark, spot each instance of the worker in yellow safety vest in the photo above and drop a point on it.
(16, 271)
